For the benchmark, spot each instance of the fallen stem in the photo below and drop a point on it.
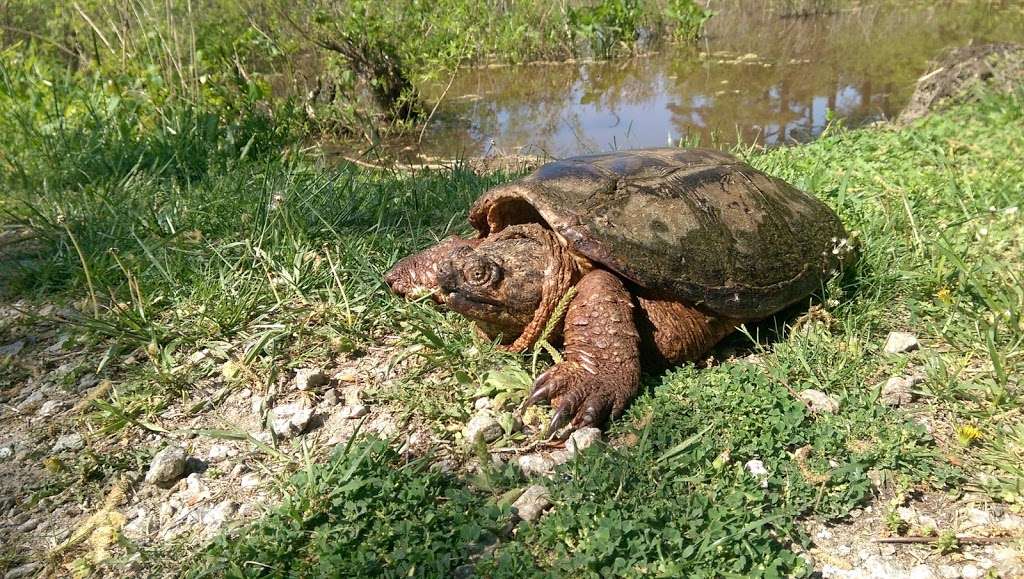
(960, 539)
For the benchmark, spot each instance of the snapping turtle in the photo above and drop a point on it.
(669, 251)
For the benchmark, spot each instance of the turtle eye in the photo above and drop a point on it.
(480, 272)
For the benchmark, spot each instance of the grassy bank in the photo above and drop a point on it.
(178, 218)
(352, 68)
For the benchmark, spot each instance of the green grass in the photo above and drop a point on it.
(178, 224)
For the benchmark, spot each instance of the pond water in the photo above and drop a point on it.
(759, 76)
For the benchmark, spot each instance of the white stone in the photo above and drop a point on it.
(219, 452)
(73, 441)
(559, 456)
(194, 491)
(758, 470)
(483, 426)
(250, 480)
(900, 342)
(141, 526)
(879, 567)
(290, 420)
(978, 517)
(531, 504)
(167, 466)
(6, 452)
(927, 522)
(34, 398)
(971, 572)
(581, 439)
(51, 407)
(907, 514)
(215, 518)
(1011, 523)
(922, 572)
(330, 397)
(818, 402)
(897, 391)
(948, 572)
(482, 403)
(354, 411)
(535, 464)
(310, 379)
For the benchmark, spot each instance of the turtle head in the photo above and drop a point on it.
(504, 282)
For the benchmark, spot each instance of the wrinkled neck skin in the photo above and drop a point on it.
(560, 275)
(510, 284)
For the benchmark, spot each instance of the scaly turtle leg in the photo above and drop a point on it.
(600, 373)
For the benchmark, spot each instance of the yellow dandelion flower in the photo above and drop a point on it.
(944, 295)
(967, 434)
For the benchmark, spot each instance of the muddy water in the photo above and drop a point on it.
(759, 76)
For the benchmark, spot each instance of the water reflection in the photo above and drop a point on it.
(758, 77)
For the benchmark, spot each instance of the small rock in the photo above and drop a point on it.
(290, 420)
(51, 407)
(900, 342)
(330, 397)
(310, 379)
(26, 570)
(193, 491)
(1012, 523)
(86, 382)
(949, 572)
(897, 391)
(532, 503)
(219, 452)
(354, 411)
(879, 567)
(559, 456)
(346, 375)
(250, 480)
(927, 522)
(482, 403)
(167, 510)
(167, 466)
(141, 526)
(971, 572)
(28, 525)
(12, 349)
(73, 441)
(216, 517)
(484, 426)
(922, 572)
(757, 468)
(535, 464)
(818, 402)
(33, 399)
(978, 517)
(876, 477)
(907, 514)
(581, 439)
(6, 452)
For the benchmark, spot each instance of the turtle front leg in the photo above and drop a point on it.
(416, 275)
(600, 373)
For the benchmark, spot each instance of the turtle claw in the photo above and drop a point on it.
(557, 422)
(537, 395)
